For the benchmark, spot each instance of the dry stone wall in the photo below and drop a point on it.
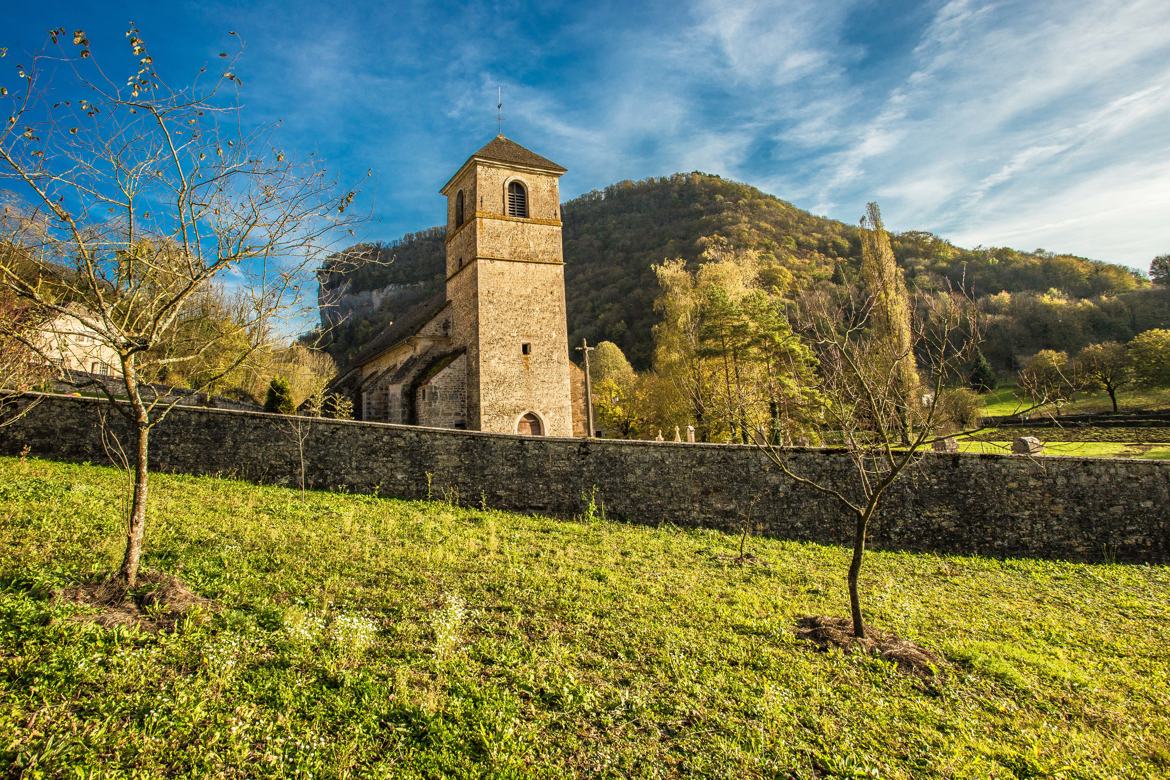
(1152, 434)
(1067, 508)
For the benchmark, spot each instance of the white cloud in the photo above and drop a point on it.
(988, 121)
(1026, 126)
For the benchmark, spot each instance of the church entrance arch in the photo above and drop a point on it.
(530, 425)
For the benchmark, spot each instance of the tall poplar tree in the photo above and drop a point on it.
(890, 326)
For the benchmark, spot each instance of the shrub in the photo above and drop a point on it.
(960, 408)
(279, 400)
(982, 377)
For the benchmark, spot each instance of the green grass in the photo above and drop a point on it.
(1080, 449)
(1004, 401)
(358, 636)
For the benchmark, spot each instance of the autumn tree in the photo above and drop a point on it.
(724, 339)
(1105, 366)
(1049, 377)
(307, 371)
(149, 195)
(676, 341)
(609, 362)
(617, 392)
(21, 367)
(889, 322)
(1149, 355)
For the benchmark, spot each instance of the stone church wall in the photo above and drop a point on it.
(523, 304)
(1068, 508)
(442, 401)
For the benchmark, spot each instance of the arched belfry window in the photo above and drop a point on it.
(529, 425)
(517, 200)
(459, 208)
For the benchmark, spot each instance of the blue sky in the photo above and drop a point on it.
(1028, 124)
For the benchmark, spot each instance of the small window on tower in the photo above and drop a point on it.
(517, 200)
(525, 348)
(459, 208)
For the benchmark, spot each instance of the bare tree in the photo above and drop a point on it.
(148, 195)
(866, 409)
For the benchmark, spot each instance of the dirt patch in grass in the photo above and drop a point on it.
(828, 632)
(156, 603)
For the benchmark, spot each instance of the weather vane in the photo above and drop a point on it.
(500, 110)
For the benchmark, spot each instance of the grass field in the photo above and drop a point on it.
(1081, 449)
(1004, 401)
(358, 636)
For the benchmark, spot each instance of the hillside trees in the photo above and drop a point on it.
(307, 371)
(613, 238)
(149, 195)
(982, 376)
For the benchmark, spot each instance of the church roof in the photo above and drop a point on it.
(505, 150)
(402, 328)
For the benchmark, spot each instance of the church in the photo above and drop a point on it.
(490, 352)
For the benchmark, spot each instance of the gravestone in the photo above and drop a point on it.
(1027, 445)
(946, 444)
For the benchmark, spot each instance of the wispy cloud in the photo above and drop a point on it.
(988, 121)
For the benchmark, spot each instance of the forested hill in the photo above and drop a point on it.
(614, 236)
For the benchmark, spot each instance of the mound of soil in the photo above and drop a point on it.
(828, 632)
(156, 603)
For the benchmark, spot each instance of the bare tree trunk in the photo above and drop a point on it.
(1112, 396)
(855, 571)
(136, 524)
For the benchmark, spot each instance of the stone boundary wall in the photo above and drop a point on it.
(1154, 434)
(1066, 508)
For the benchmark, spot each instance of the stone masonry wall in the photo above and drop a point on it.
(1149, 434)
(441, 401)
(1067, 508)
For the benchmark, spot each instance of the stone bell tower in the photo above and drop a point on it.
(506, 290)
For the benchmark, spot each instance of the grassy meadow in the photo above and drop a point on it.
(1073, 449)
(1008, 400)
(349, 636)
